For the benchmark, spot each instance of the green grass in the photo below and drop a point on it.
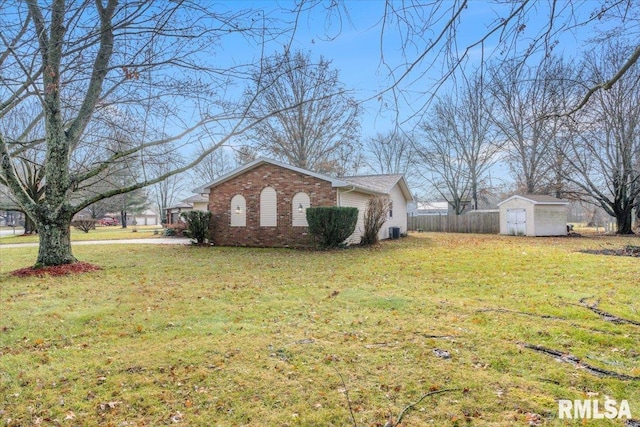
(100, 233)
(265, 337)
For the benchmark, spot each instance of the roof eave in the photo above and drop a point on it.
(535, 202)
(260, 161)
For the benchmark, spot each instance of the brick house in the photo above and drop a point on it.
(263, 203)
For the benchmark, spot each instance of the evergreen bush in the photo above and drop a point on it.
(331, 226)
(197, 225)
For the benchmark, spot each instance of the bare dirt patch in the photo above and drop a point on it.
(58, 270)
(629, 250)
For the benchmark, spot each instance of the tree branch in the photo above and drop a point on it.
(98, 74)
(609, 83)
(424, 396)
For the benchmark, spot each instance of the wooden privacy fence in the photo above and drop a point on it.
(471, 222)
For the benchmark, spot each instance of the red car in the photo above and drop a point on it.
(107, 221)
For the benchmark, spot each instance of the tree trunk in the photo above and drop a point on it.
(55, 242)
(123, 218)
(474, 194)
(30, 226)
(624, 222)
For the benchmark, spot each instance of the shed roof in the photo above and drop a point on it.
(538, 199)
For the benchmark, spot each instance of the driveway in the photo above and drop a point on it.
(10, 231)
(159, 241)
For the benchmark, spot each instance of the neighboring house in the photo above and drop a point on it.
(197, 202)
(533, 215)
(264, 202)
(146, 217)
(173, 212)
(426, 208)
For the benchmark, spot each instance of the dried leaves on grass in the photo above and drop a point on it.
(58, 270)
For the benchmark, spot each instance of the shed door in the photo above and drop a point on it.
(516, 222)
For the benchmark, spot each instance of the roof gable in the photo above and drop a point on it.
(373, 184)
(335, 182)
(382, 184)
(538, 199)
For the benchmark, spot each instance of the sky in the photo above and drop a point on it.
(365, 55)
(356, 45)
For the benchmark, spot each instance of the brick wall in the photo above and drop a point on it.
(286, 183)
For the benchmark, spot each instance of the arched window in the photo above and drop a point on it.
(268, 207)
(299, 206)
(238, 211)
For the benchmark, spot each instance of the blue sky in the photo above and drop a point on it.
(355, 49)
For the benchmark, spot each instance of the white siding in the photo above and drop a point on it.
(551, 220)
(517, 204)
(354, 199)
(361, 200)
(541, 219)
(238, 211)
(399, 218)
(201, 206)
(268, 207)
(299, 219)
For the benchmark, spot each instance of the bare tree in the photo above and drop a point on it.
(211, 167)
(244, 154)
(427, 35)
(32, 176)
(81, 66)
(375, 215)
(390, 153)
(459, 145)
(524, 113)
(166, 193)
(322, 126)
(605, 151)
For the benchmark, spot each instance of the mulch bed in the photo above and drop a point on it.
(629, 250)
(58, 270)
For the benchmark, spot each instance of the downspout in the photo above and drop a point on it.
(344, 192)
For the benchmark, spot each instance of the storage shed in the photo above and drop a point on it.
(533, 215)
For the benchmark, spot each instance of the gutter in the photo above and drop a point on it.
(344, 192)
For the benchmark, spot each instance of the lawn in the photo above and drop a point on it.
(100, 233)
(276, 337)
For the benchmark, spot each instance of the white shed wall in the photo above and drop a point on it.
(517, 204)
(542, 219)
(550, 220)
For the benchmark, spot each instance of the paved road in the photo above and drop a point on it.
(159, 241)
(10, 232)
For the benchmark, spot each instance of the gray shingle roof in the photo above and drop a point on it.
(196, 198)
(380, 184)
(377, 183)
